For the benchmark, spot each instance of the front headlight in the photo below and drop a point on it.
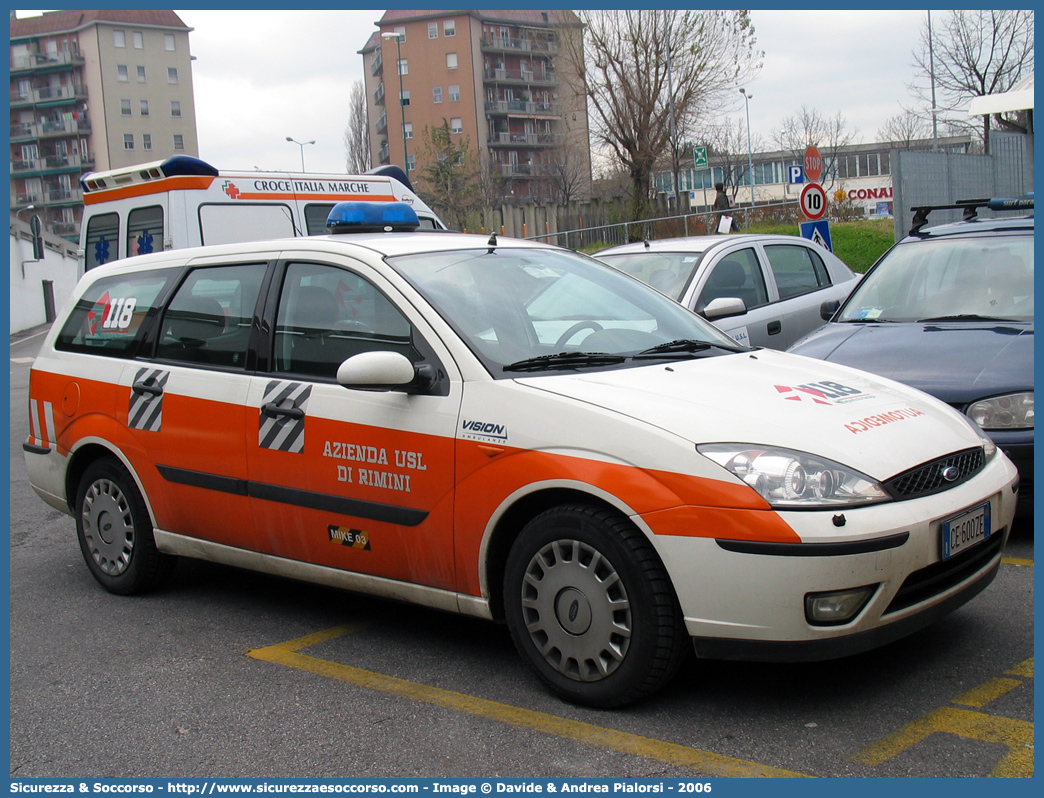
(1014, 411)
(788, 479)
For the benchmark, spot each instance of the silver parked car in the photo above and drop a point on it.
(763, 290)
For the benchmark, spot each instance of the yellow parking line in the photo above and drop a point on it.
(988, 691)
(701, 761)
(1016, 561)
(1024, 669)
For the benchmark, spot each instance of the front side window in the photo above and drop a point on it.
(797, 269)
(327, 314)
(738, 276)
(145, 230)
(209, 318)
(108, 319)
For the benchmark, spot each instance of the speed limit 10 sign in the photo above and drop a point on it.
(813, 200)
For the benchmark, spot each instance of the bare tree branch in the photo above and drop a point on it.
(357, 134)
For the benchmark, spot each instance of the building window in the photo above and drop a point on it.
(125, 108)
(175, 107)
(433, 30)
(144, 108)
(454, 93)
(168, 42)
(451, 60)
(139, 40)
(401, 33)
(456, 125)
(404, 68)
(411, 163)
(119, 38)
(122, 75)
(407, 130)
(141, 74)
(172, 74)
(179, 141)
(404, 98)
(146, 141)
(128, 141)
(449, 28)
(436, 94)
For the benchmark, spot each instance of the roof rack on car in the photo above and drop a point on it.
(970, 208)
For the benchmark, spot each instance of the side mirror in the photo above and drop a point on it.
(828, 309)
(723, 307)
(384, 371)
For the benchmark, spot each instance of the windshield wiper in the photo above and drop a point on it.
(683, 346)
(963, 317)
(565, 360)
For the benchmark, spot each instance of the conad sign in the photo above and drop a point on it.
(869, 193)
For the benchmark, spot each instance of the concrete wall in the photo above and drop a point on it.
(59, 266)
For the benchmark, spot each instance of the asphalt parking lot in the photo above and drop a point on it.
(229, 674)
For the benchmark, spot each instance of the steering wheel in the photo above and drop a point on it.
(580, 325)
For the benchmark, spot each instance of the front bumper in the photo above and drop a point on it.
(744, 602)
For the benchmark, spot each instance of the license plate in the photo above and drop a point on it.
(965, 530)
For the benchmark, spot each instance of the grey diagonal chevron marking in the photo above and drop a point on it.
(282, 433)
(146, 409)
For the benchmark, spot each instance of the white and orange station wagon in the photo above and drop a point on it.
(512, 431)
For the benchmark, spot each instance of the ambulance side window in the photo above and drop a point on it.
(327, 314)
(145, 231)
(315, 217)
(209, 318)
(103, 236)
(108, 319)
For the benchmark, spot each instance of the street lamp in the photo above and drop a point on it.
(402, 104)
(301, 144)
(750, 152)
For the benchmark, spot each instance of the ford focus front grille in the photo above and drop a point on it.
(936, 476)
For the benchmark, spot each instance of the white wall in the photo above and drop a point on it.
(59, 265)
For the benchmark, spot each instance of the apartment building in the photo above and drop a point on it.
(94, 90)
(500, 78)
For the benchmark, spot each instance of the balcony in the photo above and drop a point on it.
(525, 139)
(49, 95)
(64, 228)
(516, 45)
(382, 154)
(378, 95)
(382, 122)
(526, 76)
(46, 62)
(62, 196)
(377, 67)
(523, 107)
(523, 170)
(51, 164)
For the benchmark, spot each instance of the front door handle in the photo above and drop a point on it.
(775, 327)
(147, 387)
(273, 410)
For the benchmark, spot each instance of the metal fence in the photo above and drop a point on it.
(689, 224)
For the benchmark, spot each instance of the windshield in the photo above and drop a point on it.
(542, 309)
(667, 272)
(960, 277)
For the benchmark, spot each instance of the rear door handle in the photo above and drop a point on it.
(272, 409)
(147, 387)
(775, 327)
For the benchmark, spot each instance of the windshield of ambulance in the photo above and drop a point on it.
(957, 278)
(537, 310)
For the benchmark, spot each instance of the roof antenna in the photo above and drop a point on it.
(492, 243)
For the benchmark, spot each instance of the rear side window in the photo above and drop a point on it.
(797, 269)
(232, 223)
(109, 318)
(208, 320)
(145, 231)
(316, 215)
(103, 235)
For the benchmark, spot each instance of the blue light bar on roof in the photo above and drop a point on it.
(371, 217)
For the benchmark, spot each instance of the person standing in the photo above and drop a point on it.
(722, 207)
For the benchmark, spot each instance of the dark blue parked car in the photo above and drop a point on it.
(949, 310)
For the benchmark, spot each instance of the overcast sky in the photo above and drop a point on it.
(260, 76)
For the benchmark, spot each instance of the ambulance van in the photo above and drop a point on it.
(512, 431)
(185, 202)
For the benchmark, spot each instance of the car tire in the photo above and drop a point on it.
(590, 607)
(115, 531)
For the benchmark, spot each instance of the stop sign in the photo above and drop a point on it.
(813, 164)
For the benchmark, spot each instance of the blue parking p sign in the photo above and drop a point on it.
(796, 174)
(818, 232)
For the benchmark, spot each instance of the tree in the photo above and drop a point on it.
(449, 176)
(620, 64)
(905, 129)
(727, 150)
(357, 134)
(811, 129)
(972, 54)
